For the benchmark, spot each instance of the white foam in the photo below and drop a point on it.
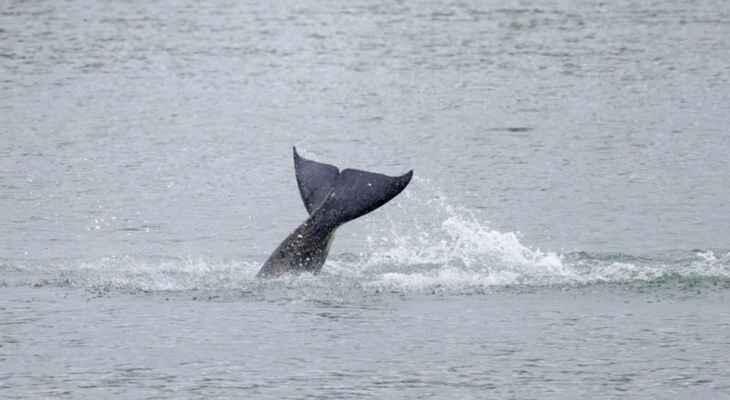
(439, 247)
(171, 274)
(447, 247)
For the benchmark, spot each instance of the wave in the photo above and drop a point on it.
(443, 250)
(388, 272)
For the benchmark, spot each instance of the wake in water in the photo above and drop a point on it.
(441, 249)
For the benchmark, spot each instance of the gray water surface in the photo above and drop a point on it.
(565, 235)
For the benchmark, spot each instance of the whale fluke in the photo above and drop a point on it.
(331, 198)
(315, 180)
(357, 192)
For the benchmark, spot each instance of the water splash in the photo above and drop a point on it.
(443, 245)
(434, 247)
(446, 248)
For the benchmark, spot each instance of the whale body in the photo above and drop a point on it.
(331, 197)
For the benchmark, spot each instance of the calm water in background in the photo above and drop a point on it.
(565, 235)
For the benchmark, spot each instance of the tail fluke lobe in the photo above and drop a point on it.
(315, 180)
(357, 192)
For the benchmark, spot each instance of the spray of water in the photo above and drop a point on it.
(419, 246)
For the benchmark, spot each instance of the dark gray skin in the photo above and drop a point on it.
(331, 198)
(304, 250)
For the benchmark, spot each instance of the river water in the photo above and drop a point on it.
(565, 234)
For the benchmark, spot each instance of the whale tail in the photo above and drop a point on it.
(332, 197)
(346, 194)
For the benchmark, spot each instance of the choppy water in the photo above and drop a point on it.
(565, 236)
